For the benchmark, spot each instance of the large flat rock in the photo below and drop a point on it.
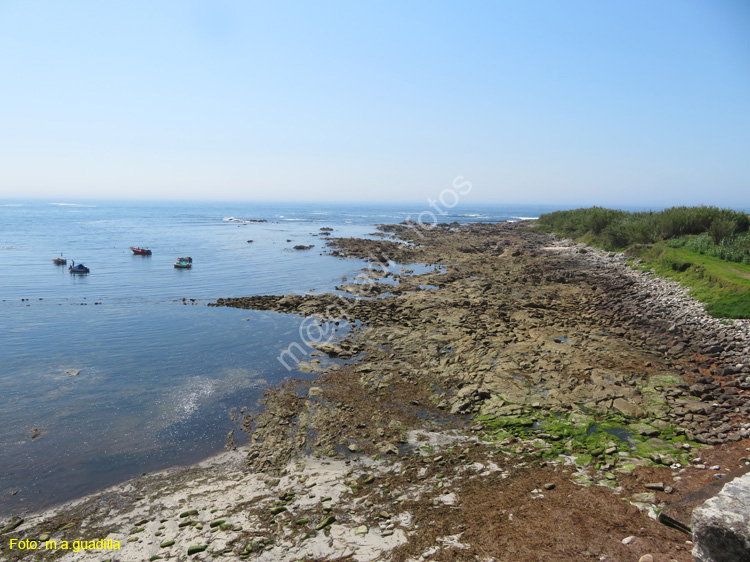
(679, 514)
(721, 525)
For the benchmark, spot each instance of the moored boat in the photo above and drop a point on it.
(140, 251)
(59, 261)
(80, 268)
(184, 263)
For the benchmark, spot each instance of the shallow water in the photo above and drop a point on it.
(92, 394)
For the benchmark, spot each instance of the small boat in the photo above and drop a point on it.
(141, 251)
(80, 268)
(59, 261)
(184, 263)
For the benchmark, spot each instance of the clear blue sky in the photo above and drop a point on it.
(584, 102)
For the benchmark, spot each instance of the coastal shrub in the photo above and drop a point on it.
(615, 229)
(677, 242)
(734, 248)
(616, 235)
(681, 221)
(721, 229)
(641, 230)
(580, 222)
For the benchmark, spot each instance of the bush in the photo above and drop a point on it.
(615, 229)
(721, 229)
(735, 248)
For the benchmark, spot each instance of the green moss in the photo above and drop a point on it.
(652, 396)
(584, 479)
(587, 436)
(655, 448)
(664, 380)
(507, 422)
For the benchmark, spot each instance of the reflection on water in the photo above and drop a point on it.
(93, 395)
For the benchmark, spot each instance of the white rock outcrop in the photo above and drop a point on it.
(721, 525)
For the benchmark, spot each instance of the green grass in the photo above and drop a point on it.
(723, 286)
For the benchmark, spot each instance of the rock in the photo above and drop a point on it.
(165, 544)
(330, 520)
(644, 497)
(72, 372)
(644, 429)
(330, 349)
(12, 524)
(628, 540)
(195, 549)
(646, 558)
(549, 486)
(721, 526)
(658, 486)
(361, 530)
(388, 449)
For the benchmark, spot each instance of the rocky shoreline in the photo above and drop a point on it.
(528, 398)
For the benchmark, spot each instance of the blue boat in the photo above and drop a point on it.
(80, 268)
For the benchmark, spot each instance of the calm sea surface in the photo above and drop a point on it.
(157, 380)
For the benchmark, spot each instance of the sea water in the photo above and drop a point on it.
(126, 370)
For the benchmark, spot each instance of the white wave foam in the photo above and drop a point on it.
(72, 205)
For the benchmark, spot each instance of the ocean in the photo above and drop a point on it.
(126, 370)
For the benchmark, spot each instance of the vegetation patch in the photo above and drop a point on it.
(617, 230)
(704, 248)
(595, 439)
(723, 286)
